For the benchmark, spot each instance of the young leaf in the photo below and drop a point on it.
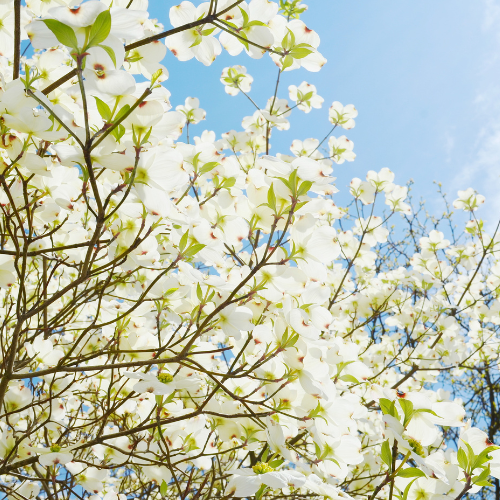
(163, 488)
(388, 407)
(208, 166)
(183, 241)
(118, 132)
(386, 453)
(411, 472)
(485, 474)
(304, 188)
(100, 29)
(462, 459)
(407, 489)
(276, 463)
(199, 292)
(407, 407)
(194, 249)
(349, 378)
(121, 113)
(103, 109)
(271, 198)
(62, 32)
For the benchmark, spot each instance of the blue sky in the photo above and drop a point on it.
(421, 73)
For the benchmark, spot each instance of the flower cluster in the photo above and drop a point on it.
(200, 319)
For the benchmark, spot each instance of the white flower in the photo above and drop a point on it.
(192, 111)
(343, 115)
(246, 482)
(306, 97)
(54, 455)
(161, 384)
(236, 78)
(341, 149)
(468, 200)
(196, 42)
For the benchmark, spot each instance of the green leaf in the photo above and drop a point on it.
(388, 407)
(194, 249)
(411, 472)
(196, 42)
(244, 15)
(485, 474)
(63, 33)
(271, 198)
(121, 113)
(386, 453)
(407, 407)
(462, 459)
(300, 53)
(163, 488)
(483, 483)
(199, 292)
(261, 491)
(407, 489)
(255, 23)
(287, 62)
(183, 241)
(110, 53)
(118, 132)
(100, 29)
(229, 183)
(169, 399)
(304, 188)
(421, 410)
(470, 452)
(276, 463)
(145, 139)
(349, 378)
(103, 109)
(208, 167)
(207, 31)
(156, 75)
(483, 457)
(307, 96)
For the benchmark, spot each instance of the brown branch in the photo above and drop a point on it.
(17, 38)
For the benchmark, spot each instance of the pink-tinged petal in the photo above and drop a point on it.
(231, 43)
(170, 125)
(54, 458)
(179, 47)
(181, 14)
(303, 34)
(207, 50)
(313, 62)
(127, 23)
(155, 200)
(40, 36)
(100, 58)
(244, 486)
(80, 16)
(117, 162)
(263, 10)
(323, 244)
(114, 83)
(146, 115)
(261, 35)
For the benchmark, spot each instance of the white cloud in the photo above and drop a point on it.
(481, 169)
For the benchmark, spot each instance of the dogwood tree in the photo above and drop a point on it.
(197, 318)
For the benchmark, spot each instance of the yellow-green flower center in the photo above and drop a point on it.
(416, 446)
(165, 378)
(262, 468)
(55, 448)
